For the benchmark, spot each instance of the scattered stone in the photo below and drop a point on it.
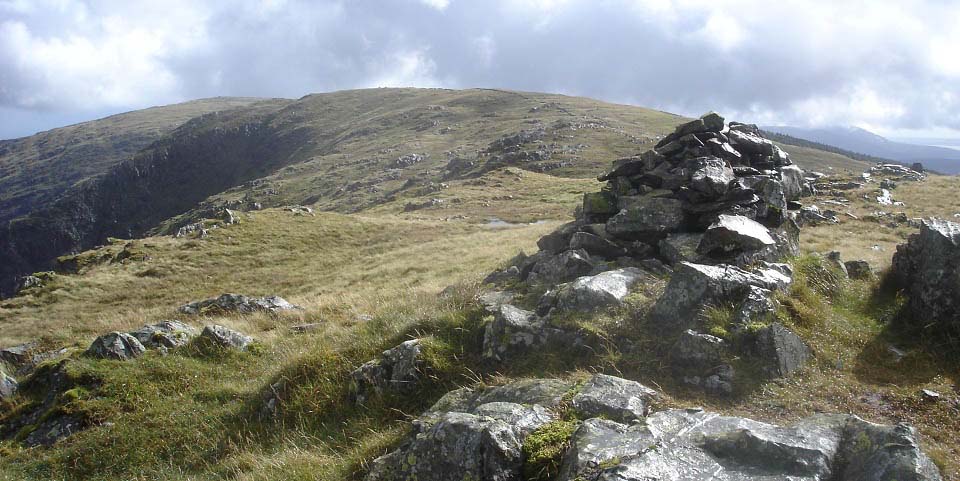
(28, 282)
(304, 328)
(165, 334)
(238, 303)
(614, 398)
(596, 245)
(396, 370)
(19, 355)
(835, 261)
(859, 269)
(299, 210)
(929, 396)
(116, 345)
(226, 338)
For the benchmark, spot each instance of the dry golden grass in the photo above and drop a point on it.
(873, 239)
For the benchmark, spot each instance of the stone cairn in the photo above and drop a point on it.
(714, 203)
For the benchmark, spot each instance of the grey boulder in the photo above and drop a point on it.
(225, 337)
(614, 398)
(398, 369)
(116, 345)
(648, 217)
(781, 350)
(735, 234)
(8, 386)
(166, 334)
(859, 269)
(602, 290)
(563, 267)
(927, 269)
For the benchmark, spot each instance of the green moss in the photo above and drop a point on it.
(544, 448)
(718, 320)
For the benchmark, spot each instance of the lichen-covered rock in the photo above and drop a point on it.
(711, 176)
(515, 331)
(166, 334)
(20, 354)
(859, 269)
(596, 245)
(238, 303)
(681, 247)
(648, 218)
(473, 434)
(8, 386)
(563, 267)
(614, 398)
(226, 338)
(699, 350)
(927, 269)
(781, 351)
(398, 369)
(735, 235)
(457, 446)
(694, 444)
(116, 345)
(602, 290)
(695, 286)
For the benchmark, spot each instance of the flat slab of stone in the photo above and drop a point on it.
(614, 398)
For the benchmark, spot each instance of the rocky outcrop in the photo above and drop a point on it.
(238, 303)
(226, 338)
(397, 370)
(119, 346)
(927, 269)
(480, 434)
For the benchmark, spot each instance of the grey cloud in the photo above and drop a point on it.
(790, 64)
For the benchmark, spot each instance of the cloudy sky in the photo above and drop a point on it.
(889, 66)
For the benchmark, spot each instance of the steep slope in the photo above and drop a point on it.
(344, 151)
(35, 170)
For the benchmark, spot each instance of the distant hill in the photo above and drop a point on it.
(867, 143)
(155, 170)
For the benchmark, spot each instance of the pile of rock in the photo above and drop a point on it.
(480, 434)
(238, 303)
(927, 269)
(719, 204)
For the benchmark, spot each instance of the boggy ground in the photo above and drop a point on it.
(371, 282)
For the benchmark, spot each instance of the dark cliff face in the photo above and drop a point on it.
(205, 156)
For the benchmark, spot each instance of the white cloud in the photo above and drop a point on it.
(437, 4)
